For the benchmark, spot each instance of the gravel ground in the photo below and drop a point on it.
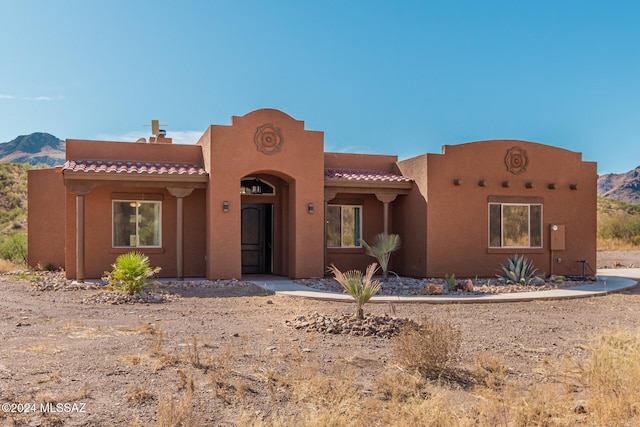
(120, 363)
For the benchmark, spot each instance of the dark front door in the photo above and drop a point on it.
(256, 238)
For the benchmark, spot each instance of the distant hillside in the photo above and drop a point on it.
(35, 149)
(13, 197)
(624, 186)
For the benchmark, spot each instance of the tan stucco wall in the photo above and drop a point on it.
(99, 254)
(443, 226)
(232, 155)
(411, 219)
(46, 210)
(457, 215)
(372, 224)
(372, 208)
(365, 162)
(77, 149)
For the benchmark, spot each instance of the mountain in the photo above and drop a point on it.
(623, 186)
(35, 149)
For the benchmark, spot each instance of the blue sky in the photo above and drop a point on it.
(403, 77)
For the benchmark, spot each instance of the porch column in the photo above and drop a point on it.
(80, 237)
(386, 198)
(80, 190)
(180, 194)
(328, 196)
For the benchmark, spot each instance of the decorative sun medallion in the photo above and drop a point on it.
(516, 160)
(268, 139)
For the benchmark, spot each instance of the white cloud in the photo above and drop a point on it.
(29, 98)
(38, 98)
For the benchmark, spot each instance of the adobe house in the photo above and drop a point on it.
(261, 196)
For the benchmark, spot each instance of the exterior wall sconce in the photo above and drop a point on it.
(482, 183)
(225, 206)
(530, 184)
(310, 208)
(552, 186)
(574, 186)
(457, 181)
(506, 184)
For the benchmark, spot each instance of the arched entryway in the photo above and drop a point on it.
(263, 229)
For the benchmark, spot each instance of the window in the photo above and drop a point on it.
(515, 225)
(344, 224)
(136, 224)
(256, 186)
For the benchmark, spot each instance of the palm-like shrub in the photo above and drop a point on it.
(130, 273)
(518, 270)
(385, 245)
(360, 287)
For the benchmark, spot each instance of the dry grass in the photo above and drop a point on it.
(615, 245)
(10, 266)
(220, 367)
(178, 410)
(42, 348)
(601, 391)
(612, 378)
(84, 332)
(294, 388)
(139, 395)
(430, 348)
(63, 397)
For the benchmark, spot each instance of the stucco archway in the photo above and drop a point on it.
(264, 223)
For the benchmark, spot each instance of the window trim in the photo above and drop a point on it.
(157, 201)
(358, 244)
(502, 204)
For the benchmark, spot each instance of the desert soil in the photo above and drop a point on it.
(117, 364)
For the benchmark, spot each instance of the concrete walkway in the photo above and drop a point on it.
(609, 280)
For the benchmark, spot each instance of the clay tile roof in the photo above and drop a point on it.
(374, 176)
(148, 168)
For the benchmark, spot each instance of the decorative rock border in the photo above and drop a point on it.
(345, 324)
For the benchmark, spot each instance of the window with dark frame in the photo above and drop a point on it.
(515, 225)
(344, 226)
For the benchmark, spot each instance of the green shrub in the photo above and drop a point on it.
(451, 281)
(130, 273)
(518, 270)
(360, 287)
(385, 245)
(14, 247)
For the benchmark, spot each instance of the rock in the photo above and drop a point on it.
(433, 289)
(469, 286)
(370, 326)
(538, 281)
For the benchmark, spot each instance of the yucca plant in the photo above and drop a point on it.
(385, 245)
(130, 273)
(360, 287)
(518, 270)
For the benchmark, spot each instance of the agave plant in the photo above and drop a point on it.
(518, 270)
(385, 245)
(360, 287)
